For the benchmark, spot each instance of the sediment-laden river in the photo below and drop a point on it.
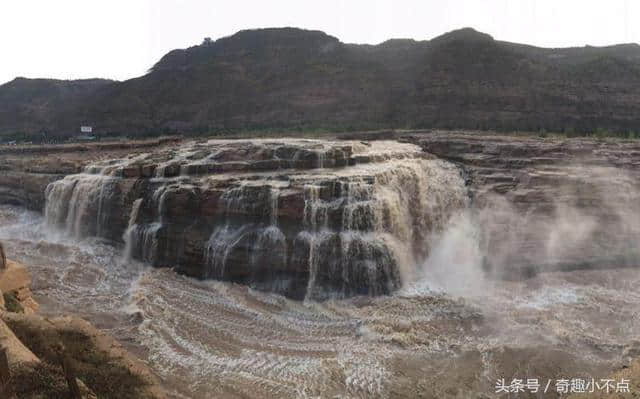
(449, 333)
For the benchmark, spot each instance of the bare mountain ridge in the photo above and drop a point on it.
(293, 78)
(34, 105)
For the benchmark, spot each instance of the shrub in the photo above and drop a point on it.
(39, 380)
(11, 302)
(101, 373)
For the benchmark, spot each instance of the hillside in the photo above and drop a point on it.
(35, 105)
(292, 78)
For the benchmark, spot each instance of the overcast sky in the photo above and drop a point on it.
(120, 39)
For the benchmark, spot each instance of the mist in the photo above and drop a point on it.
(589, 222)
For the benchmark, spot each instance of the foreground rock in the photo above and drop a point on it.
(17, 353)
(15, 284)
(305, 218)
(35, 347)
(104, 367)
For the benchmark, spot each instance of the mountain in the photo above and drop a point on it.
(33, 106)
(293, 78)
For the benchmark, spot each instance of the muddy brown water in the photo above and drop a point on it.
(212, 339)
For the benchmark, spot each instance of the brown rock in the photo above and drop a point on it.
(3, 257)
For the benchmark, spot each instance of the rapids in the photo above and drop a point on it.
(218, 339)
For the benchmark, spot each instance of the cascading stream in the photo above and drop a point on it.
(215, 339)
(344, 219)
(286, 226)
(81, 204)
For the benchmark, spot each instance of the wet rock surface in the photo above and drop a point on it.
(305, 218)
(224, 208)
(548, 204)
(26, 170)
(431, 338)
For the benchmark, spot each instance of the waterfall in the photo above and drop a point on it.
(333, 228)
(383, 226)
(313, 239)
(142, 237)
(81, 205)
(222, 242)
(314, 209)
(268, 253)
(273, 192)
(362, 234)
(257, 239)
(142, 242)
(130, 234)
(322, 157)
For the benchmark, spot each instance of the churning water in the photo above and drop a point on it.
(430, 339)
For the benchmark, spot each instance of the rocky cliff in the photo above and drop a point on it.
(25, 171)
(323, 218)
(305, 218)
(548, 204)
(292, 78)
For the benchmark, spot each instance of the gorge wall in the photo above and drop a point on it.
(548, 204)
(305, 218)
(25, 171)
(323, 218)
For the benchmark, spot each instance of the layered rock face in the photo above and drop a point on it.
(321, 218)
(546, 204)
(25, 171)
(305, 218)
(25, 188)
